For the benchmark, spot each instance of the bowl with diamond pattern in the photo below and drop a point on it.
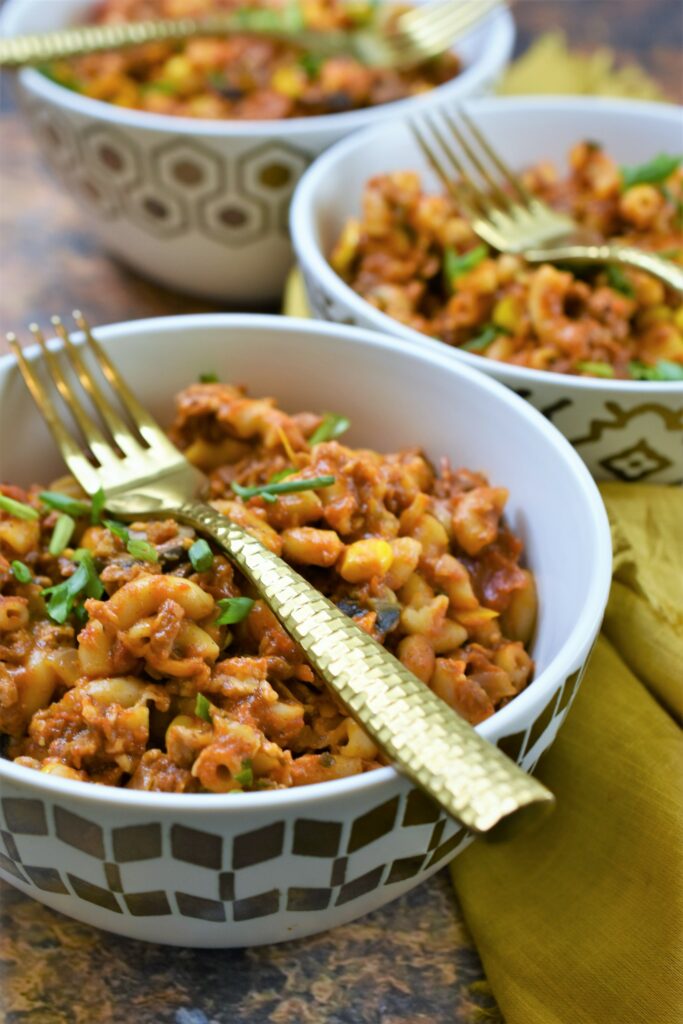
(630, 430)
(248, 868)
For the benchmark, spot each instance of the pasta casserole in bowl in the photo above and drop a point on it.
(184, 156)
(172, 769)
(598, 349)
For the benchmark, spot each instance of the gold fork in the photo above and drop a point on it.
(505, 214)
(143, 474)
(404, 41)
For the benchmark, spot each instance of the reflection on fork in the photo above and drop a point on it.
(503, 212)
(129, 458)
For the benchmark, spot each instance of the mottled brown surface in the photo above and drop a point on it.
(409, 963)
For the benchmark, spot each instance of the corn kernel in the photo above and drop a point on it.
(289, 81)
(506, 314)
(179, 73)
(366, 558)
(678, 318)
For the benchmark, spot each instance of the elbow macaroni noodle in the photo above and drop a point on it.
(165, 683)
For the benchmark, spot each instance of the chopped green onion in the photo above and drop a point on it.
(245, 777)
(332, 426)
(21, 572)
(208, 378)
(617, 279)
(202, 708)
(311, 63)
(17, 508)
(268, 491)
(143, 550)
(83, 580)
(233, 609)
(287, 471)
(654, 171)
(201, 556)
(62, 534)
(63, 503)
(456, 264)
(97, 505)
(118, 529)
(93, 586)
(165, 88)
(483, 340)
(663, 370)
(596, 369)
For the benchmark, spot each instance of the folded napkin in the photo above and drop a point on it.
(581, 921)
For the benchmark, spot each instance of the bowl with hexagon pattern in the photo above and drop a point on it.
(201, 206)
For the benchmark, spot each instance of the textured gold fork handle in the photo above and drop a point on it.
(629, 256)
(470, 778)
(71, 42)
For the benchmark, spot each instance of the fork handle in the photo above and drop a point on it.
(469, 777)
(628, 255)
(84, 39)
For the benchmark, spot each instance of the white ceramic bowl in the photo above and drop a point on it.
(623, 430)
(222, 870)
(201, 206)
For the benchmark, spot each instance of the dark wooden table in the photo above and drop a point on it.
(409, 963)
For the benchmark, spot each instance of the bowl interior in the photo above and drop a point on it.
(395, 396)
(524, 131)
(484, 52)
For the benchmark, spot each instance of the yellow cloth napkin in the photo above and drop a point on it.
(581, 922)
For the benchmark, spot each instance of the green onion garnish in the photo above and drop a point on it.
(311, 63)
(651, 173)
(233, 609)
(63, 503)
(245, 777)
(17, 508)
(83, 580)
(118, 529)
(617, 279)
(62, 534)
(456, 264)
(269, 491)
(332, 426)
(201, 556)
(97, 505)
(202, 708)
(21, 572)
(208, 378)
(143, 550)
(596, 369)
(483, 340)
(283, 474)
(663, 370)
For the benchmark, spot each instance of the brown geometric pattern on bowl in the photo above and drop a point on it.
(340, 863)
(176, 187)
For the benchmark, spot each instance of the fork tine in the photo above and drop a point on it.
(503, 200)
(511, 178)
(477, 199)
(99, 446)
(437, 25)
(149, 429)
(71, 451)
(458, 194)
(119, 430)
